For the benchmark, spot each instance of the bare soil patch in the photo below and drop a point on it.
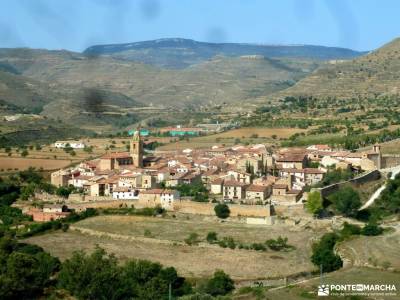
(19, 163)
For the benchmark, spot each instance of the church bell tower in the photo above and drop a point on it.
(136, 149)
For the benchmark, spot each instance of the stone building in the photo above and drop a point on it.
(234, 190)
(136, 149)
(119, 160)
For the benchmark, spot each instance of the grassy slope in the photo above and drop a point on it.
(219, 79)
(194, 261)
(368, 76)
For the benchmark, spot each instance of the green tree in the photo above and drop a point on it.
(31, 175)
(346, 200)
(25, 271)
(219, 284)
(314, 202)
(222, 211)
(94, 276)
(63, 191)
(324, 255)
(27, 191)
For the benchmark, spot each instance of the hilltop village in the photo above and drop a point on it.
(260, 181)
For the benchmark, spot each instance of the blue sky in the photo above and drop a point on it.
(77, 24)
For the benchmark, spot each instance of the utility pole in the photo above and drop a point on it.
(170, 291)
(320, 274)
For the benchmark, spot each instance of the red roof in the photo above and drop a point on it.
(256, 188)
(291, 157)
(280, 186)
(217, 181)
(234, 183)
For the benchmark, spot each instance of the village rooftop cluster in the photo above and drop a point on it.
(243, 175)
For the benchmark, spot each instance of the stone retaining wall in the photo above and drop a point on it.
(364, 178)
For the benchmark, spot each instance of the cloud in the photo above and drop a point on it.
(150, 9)
(346, 22)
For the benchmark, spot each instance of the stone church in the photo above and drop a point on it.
(117, 160)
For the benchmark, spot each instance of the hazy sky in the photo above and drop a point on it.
(77, 24)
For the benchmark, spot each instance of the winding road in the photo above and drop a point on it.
(395, 170)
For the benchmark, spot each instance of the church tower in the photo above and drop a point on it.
(136, 149)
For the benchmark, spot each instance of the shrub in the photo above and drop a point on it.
(258, 247)
(349, 229)
(222, 243)
(65, 227)
(279, 244)
(222, 211)
(192, 239)
(220, 284)
(24, 153)
(371, 229)
(212, 237)
(230, 242)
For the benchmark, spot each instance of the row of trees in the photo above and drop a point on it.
(352, 141)
(27, 272)
(279, 244)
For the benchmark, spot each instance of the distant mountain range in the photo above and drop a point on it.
(181, 53)
(112, 85)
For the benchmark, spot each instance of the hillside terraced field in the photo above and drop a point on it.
(125, 236)
(19, 163)
(375, 251)
(252, 135)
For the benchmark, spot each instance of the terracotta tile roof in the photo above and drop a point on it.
(168, 191)
(190, 176)
(292, 170)
(340, 154)
(291, 157)
(152, 191)
(280, 186)
(354, 155)
(217, 181)
(234, 183)
(83, 177)
(313, 171)
(257, 188)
